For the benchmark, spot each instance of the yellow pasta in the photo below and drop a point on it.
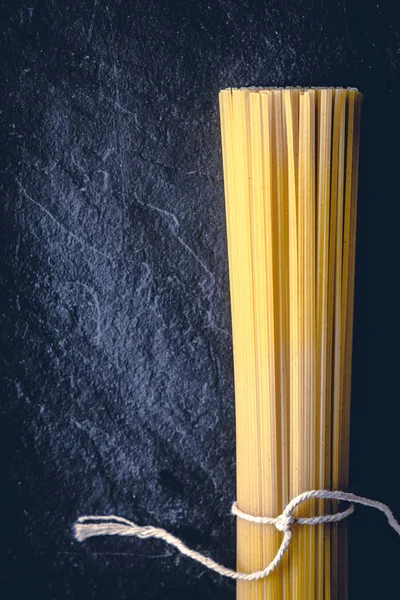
(290, 170)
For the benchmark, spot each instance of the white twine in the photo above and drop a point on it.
(90, 526)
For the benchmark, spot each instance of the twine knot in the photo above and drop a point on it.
(89, 526)
(283, 523)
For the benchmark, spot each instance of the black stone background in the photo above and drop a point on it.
(116, 349)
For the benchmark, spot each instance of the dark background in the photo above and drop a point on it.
(116, 351)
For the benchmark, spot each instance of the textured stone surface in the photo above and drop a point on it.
(116, 351)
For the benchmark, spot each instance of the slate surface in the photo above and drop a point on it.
(116, 350)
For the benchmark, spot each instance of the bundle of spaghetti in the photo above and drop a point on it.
(290, 173)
